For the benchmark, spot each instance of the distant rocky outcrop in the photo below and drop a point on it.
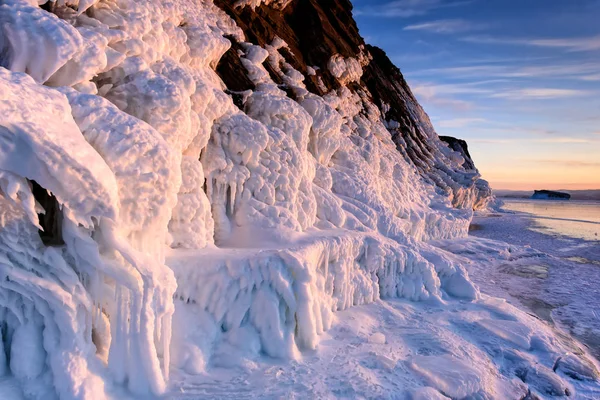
(460, 146)
(550, 195)
(586, 195)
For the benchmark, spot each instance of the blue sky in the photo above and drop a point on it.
(518, 79)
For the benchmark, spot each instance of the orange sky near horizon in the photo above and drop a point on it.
(519, 81)
(499, 181)
(519, 166)
(550, 186)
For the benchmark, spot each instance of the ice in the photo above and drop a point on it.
(195, 235)
(37, 146)
(576, 368)
(304, 286)
(452, 377)
(547, 382)
(277, 4)
(513, 332)
(378, 338)
(346, 70)
(91, 190)
(27, 351)
(9, 389)
(50, 49)
(429, 353)
(428, 393)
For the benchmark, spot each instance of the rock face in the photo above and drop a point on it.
(322, 35)
(313, 30)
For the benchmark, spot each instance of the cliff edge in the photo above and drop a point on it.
(323, 43)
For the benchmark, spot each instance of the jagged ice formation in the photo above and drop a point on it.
(207, 186)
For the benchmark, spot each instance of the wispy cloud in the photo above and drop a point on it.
(556, 140)
(445, 26)
(592, 77)
(589, 43)
(446, 102)
(449, 103)
(459, 122)
(494, 131)
(499, 129)
(574, 44)
(540, 93)
(568, 163)
(430, 91)
(564, 140)
(441, 95)
(491, 141)
(408, 8)
(586, 71)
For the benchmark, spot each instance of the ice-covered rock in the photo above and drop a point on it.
(237, 222)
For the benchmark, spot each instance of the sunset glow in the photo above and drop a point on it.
(519, 81)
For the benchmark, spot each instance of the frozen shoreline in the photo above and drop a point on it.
(575, 219)
(552, 275)
(394, 348)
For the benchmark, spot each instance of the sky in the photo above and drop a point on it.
(519, 80)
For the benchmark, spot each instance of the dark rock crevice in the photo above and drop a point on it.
(231, 70)
(314, 30)
(51, 219)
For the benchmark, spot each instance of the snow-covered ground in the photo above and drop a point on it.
(545, 267)
(396, 349)
(484, 349)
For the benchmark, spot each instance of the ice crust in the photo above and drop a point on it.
(239, 231)
(277, 4)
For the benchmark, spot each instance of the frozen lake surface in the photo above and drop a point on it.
(546, 266)
(577, 219)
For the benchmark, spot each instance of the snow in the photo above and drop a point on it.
(530, 268)
(251, 247)
(277, 4)
(346, 70)
(450, 376)
(431, 351)
(377, 337)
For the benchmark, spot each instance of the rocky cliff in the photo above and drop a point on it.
(324, 44)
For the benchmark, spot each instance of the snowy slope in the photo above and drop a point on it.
(192, 221)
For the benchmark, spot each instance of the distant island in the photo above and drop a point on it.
(550, 195)
(585, 195)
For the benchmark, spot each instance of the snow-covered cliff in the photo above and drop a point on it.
(211, 176)
(323, 43)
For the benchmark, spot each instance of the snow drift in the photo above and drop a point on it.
(189, 210)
